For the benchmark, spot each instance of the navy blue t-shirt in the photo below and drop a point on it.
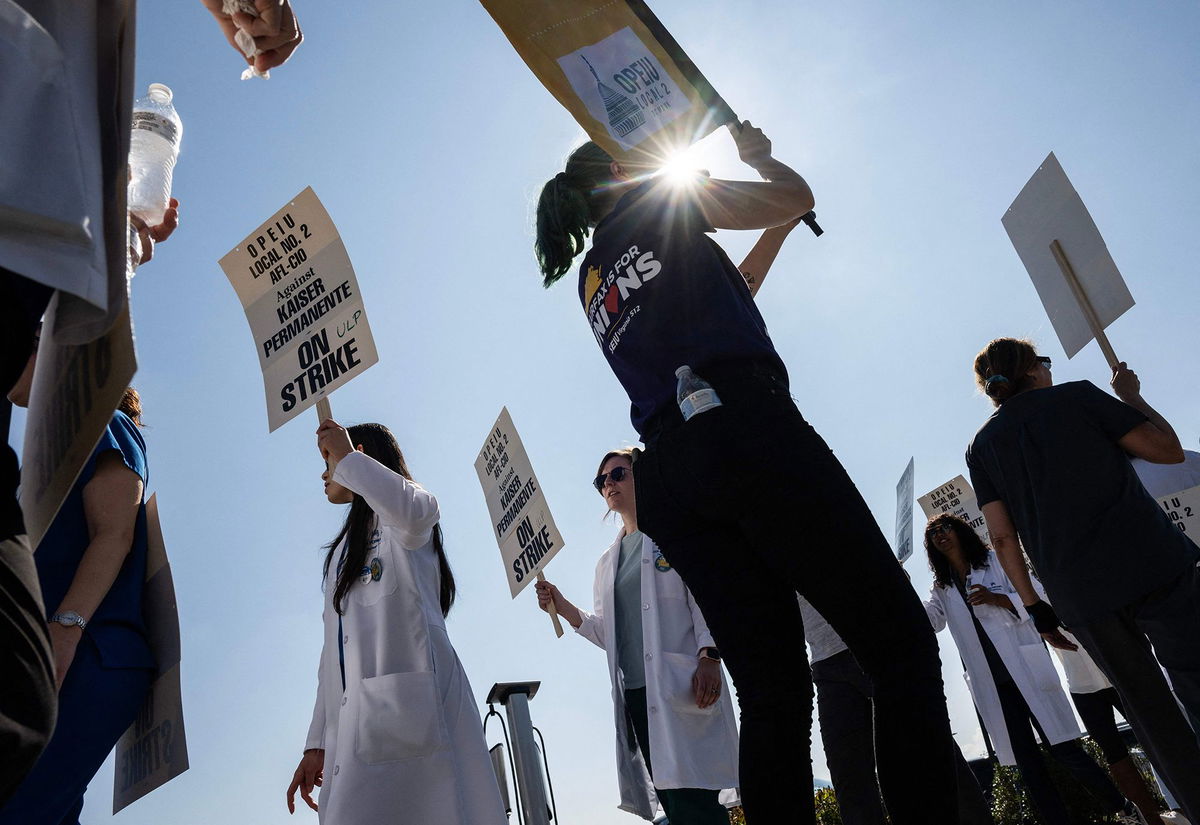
(1097, 539)
(659, 293)
(117, 627)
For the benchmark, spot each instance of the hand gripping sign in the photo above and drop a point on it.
(302, 301)
(1071, 268)
(620, 74)
(521, 518)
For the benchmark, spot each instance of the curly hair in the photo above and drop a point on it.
(974, 550)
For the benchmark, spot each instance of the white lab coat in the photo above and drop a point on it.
(690, 747)
(1021, 649)
(404, 742)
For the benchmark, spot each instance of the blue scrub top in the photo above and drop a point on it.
(117, 627)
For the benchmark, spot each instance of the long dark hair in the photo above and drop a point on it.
(974, 550)
(1002, 368)
(571, 203)
(378, 443)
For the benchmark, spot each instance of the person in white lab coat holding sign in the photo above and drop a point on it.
(677, 742)
(395, 734)
(1009, 671)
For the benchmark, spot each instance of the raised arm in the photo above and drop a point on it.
(782, 197)
(758, 262)
(1154, 440)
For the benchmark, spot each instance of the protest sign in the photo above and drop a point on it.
(302, 301)
(1183, 508)
(153, 750)
(617, 70)
(1071, 268)
(521, 518)
(76, 388)
(955, 497)
(904, 512)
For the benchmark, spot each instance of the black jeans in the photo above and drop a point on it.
(748, 503)
(844, 709)
(683, 806)
(1047, 801)
(1168, 619)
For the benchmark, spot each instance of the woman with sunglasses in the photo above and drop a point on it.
(1052, 474)
(676, 736)
(1009, 671)
(745, 498)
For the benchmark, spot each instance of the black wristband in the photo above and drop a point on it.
(1044, 617)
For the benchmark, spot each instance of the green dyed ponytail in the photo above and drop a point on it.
(570, 204)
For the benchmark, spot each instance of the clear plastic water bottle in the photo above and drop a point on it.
(153, 149)
(694, 394)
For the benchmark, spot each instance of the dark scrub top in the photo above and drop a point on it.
(117, 627)
(1097, 539)
(659, 293)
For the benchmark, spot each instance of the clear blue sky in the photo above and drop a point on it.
(427, 139)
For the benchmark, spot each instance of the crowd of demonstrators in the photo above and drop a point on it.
(395, 727)
(1010, 674)
(845, 711)
(744, 499)
(67, 242)
(677, 742)
(1052, 474)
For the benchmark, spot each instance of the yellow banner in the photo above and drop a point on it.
(617, 71)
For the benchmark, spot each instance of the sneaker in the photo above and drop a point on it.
(1129, 815)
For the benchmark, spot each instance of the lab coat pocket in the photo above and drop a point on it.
(677, 671)
(1042, 674)
(399, 717)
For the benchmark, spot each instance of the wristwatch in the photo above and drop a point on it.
(710, 653)
(69, 618)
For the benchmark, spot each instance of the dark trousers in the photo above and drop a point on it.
(27, 695)
(683, 806)
(844, 709)
(1120, 643)
(95, 707)
(1096, 712)
(1047, 801)
(748, 503)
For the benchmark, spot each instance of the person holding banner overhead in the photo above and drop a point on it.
(92, 565)
(1012, 679)
(395, 735)
(676, 737)
(745, 498)
(1052, 474)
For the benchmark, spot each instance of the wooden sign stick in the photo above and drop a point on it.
(323, 411)
(1084, 304)
(558, 631)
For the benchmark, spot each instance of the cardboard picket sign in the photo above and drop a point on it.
(521, 520)
(617, 70)
(76, 388)
(904, 512)
(957, 497)
(1080, 286)
(153, 750)
(302, 301)
(1183, 508)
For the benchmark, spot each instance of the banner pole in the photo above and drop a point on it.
(1084, 304)
(323, 411)
(558, 631)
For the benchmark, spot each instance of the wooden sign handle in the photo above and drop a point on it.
(1081, 298)
(558, 631)
(323, 411)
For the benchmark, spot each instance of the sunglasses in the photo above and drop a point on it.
(1042, 359)
(617, 474)
(939, 528)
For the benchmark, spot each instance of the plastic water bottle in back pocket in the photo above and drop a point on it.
(694, 394)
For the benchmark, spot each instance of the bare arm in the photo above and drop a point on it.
(783, 196)
(110, 504)
(1008, 550)
(1154, 440)
(759, 260)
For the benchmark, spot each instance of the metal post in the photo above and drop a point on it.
(530, 779)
